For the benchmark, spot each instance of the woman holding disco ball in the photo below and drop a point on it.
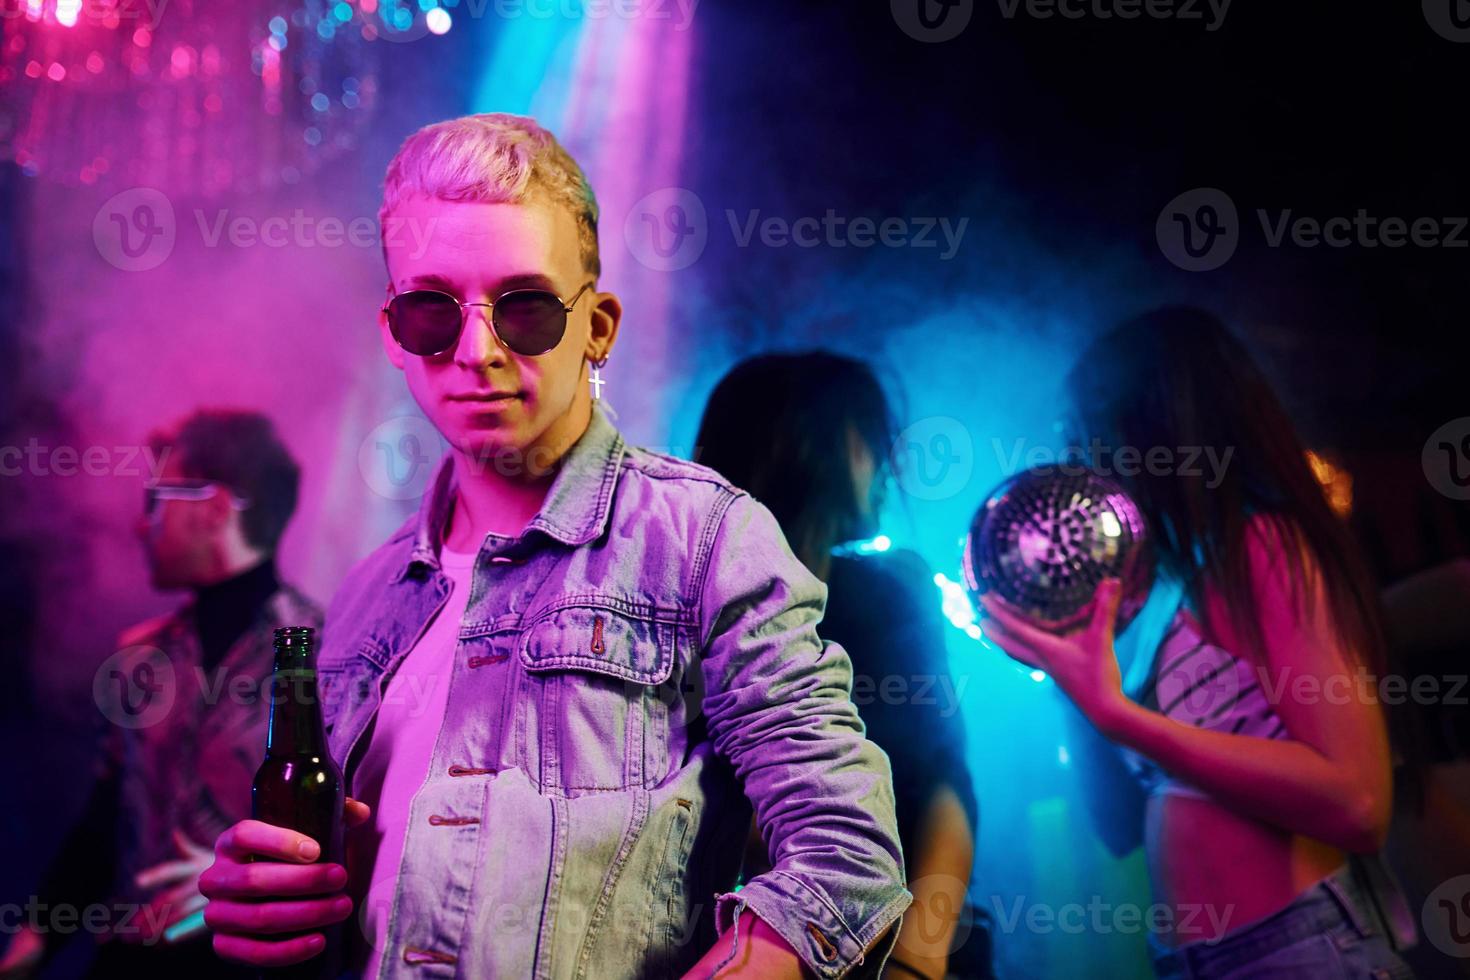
(1226, 728)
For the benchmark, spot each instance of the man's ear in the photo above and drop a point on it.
(607, 314)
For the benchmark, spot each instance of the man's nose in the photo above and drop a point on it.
(478, 347)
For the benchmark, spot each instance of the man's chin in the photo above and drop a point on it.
(486, 448)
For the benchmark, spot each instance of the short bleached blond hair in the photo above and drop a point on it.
(493, 158)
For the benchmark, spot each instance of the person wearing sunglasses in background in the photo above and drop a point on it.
(181, 703)
(556, 691)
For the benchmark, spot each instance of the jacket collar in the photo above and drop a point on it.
(576, 507)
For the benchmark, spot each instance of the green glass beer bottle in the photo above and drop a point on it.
(299, 786)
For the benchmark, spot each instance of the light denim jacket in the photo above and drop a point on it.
(645, 648)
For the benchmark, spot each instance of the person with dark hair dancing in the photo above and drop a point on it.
(1263, 803)
(810, 436)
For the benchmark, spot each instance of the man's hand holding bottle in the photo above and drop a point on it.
(268, 900)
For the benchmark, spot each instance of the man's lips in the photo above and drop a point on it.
(484, 396)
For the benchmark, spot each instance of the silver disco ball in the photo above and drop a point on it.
(1046, 537)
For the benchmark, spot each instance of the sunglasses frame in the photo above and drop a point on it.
(156, 492)
(464, 308)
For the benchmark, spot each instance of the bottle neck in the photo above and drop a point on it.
(296, 727)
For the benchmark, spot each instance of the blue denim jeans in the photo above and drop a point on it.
(1329, 931)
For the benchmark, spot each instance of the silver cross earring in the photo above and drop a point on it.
(595, 380)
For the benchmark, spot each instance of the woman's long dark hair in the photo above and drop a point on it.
(1177, 378)
(779, 425)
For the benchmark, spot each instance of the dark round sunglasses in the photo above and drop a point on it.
(527, 321)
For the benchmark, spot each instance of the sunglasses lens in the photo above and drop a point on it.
(423, 322)
(530, 321)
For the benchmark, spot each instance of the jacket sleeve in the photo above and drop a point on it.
(778, 704)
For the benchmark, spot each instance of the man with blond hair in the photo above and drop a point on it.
(558, 689)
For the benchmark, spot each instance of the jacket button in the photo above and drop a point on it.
(438, 820)
(414, 956)
(824, 945)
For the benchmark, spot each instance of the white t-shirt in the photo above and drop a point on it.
(396, 761)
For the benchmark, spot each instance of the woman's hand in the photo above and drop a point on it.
(1082, 662)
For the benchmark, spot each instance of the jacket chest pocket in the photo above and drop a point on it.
(589, 718)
